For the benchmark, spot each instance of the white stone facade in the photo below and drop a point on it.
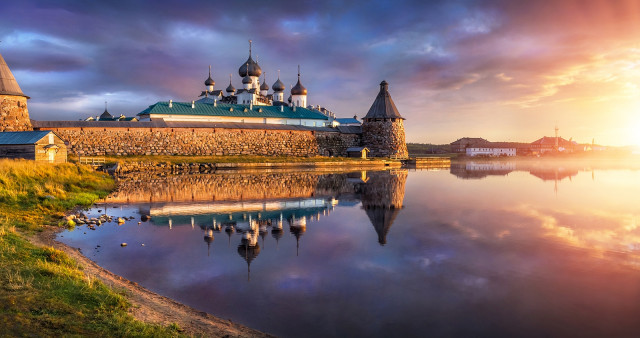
(490, 151)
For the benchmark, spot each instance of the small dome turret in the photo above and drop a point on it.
(231, 88)
(278, 86)
(246, 80)
(298, 89)
(209, 81)
(250, 67)
(264, 86)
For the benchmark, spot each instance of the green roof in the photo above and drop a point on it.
(235, 110)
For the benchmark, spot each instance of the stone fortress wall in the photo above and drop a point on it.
(385, 138)
(205, 141)
(14, 115)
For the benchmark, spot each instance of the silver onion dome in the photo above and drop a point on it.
(278, 86)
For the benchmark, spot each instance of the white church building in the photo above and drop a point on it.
(250, 104)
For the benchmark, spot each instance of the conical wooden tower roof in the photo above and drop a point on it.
(8, 84)
(383, 106)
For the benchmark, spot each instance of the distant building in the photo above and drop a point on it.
(549, 144)
(473, 146)
(45, 146)
(460, 145)
(490, 149)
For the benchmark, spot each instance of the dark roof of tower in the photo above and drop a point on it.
(8, 84)
(106, 115)
(254, 68)
(298, 89)
(278, 86)
(264, 86)
(209, 81)
(383, 106)
(246, 79)
(231, 88)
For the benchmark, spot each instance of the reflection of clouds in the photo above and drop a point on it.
(420, 261)
(467, 231)
(373, 266)
(605, 231)
(474, 282)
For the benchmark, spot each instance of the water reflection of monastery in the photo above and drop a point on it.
(479, 170)
(246, 208)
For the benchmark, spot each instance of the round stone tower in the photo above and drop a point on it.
(14, 115)
(383, 127)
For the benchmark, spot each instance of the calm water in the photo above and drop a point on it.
(477, 250)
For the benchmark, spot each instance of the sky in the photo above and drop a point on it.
(502, 70)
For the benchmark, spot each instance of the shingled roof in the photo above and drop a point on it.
(8, 84)
(383, 106)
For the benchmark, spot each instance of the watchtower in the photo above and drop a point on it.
(14, 115)
(383, 127)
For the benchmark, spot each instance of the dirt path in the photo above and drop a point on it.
(147, 306)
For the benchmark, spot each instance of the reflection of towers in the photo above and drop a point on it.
(208, 237)
(298, 226)
(229, 229)
(249, 253)
(382, 198)
(276, 230)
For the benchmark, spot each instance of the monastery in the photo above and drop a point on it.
(246, 121)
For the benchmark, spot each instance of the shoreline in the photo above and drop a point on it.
(148, 306)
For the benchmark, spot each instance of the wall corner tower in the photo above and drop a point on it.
(14, 115)
(383, 127)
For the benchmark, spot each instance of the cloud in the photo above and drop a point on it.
(460, 54)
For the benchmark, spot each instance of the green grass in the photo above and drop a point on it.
(43, 292)
(33, 193)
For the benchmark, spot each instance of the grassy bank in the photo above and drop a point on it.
(42, 291)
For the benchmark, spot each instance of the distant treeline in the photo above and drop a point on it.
(428, 148)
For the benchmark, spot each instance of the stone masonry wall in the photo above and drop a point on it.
(202, 141)
(14, 115)
(385, 138)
